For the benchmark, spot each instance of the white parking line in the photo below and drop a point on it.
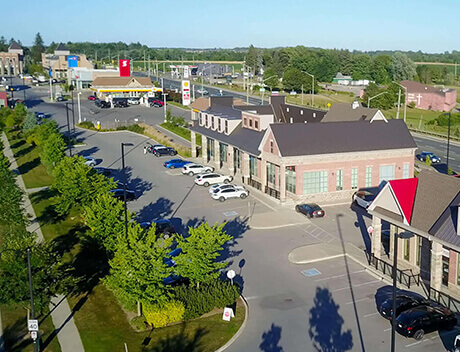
(370, 315)
(387, 330)
(341, 275)
(416, 343)
(358, 300)
(348, 287)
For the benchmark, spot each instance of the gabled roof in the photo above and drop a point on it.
(15, 46)
(341, 137)
(200, 104)
(404, 191)
(345, 112)
(417, 87)
(61, 47)
(121, 81)
(226, 112)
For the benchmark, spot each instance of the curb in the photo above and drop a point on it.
(240, 330)
(273, 227)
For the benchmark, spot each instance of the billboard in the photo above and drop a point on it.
(125, 69)
(72, 60)
(185, 92)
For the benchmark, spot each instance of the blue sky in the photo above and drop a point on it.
(425, 25)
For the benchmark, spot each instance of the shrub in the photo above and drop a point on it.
(134, 128)
(443, 120)
(139, 323)
(160, 316)
(412, 104)
(86, 124)
(198, 301)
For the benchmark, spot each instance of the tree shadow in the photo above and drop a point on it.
(88, 152)
(180, 342)
(42, 195)
(26, 167)
(326, 323)
(24, 151)
(161, 209)
(138, 185)
(30, 103)
(18, 144)
(50, 215)
(235, 228)
(15, 336)
(271, 339)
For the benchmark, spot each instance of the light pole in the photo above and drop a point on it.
(69, 145)
(399, 100)
(164, 105)
(79, 109)
(266, 79)
(123, 145)
(448, 143)
(247, 84)
(312, 87)
(375, 96)
(73, 113)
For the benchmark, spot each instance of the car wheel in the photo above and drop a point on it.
(172, 167)
(221, 199)
(297, 208)
(308, 215)
(172, 153)
(226, 181)
(418, 335)
(206, 184)
(190, 173)
(243, 195)
(231, 178)
(211, 169)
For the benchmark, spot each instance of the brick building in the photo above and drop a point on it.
(58, 63)
(429, 98)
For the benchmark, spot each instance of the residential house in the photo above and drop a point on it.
(352, 112)
(429, 98)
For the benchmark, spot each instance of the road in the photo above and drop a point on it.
(335, 309)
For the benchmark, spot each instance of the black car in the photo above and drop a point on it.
(103, 171)
(163, 226)
(105, 105)
(118, 193)
(120, 104)
(416, 322)
(404, 301)
(311, 210)
(60, 99)
(159, 151)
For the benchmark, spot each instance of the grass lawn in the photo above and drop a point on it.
(33, 172)
(178, 105)
(103, 327)
(181, 131)
(16, 335)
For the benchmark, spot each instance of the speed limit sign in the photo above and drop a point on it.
(32, 324)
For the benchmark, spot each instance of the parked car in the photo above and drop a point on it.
(195, 169)
(119, 194)
(418, 321)
(363, 198)
(90, 161)
(120, 104)
(175, 163)
(103, 171)
(220, 186)
(133, 101)
(40, 115)
(434, 159)
(60, 99)
(202, 91)
(156, 102)
(173, 279)
(150, 147)
(311, 210)
(222, 194)
(211, 178)
(104, 104)
(163, 226)
(404, 301)
(92, 97)
(159, 151)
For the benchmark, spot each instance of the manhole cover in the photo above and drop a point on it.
(230, 213)
(311, 272)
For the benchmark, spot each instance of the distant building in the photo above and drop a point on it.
(429, 98)
(107, 88)
(210, 69)
(58, 63)
(348, 80)
(12, 62)
(352, 112)
(82, 77)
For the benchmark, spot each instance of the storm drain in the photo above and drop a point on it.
(311, 272)
(230, 213)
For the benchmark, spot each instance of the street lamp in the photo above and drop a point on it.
(79, 109)
(69, 145)
(399, 100)
(312, 87)
(448, 142)
(123, 145)
(164, 105)
(264, 88)
(375, 96)
(247, 84)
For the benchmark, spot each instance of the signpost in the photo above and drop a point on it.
(186, 93)
(231, 274)
(32, 324)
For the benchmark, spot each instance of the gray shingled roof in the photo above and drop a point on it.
(224, 111)
(242, 138)
(15, 46)
(61, 47)
(344, 112)
(341, 137)
(446, 227)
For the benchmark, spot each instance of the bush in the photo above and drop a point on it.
(133, 128)
(86, 124)
(139, 323)
(198, 301)
(443, 120)
(412, 104)
(160, 316)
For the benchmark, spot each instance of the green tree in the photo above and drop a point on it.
(30, 122)
(402, 67)
(252, 59)
(78, 184)
(38, 48)
(293, 79)
(271, 78)
(362, 65)
(380, 69)
(11, 210)
(42, 132)
(53, 151)
(198, 260)
(138, 268)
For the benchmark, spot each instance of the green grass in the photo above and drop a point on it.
(27, 157)
(16, 335)
(181, 132)
(179, 105)
(103, 326)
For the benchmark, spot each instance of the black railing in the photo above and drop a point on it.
(405, 277)
(272, 192)
(442, 298)
(255, 184)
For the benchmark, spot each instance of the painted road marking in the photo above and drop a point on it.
(337, 276)
(230, 213)
(348, 287)
(358, 300)
(370, 315)
(311, 272)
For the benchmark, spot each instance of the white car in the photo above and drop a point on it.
(232, 192)
(195, 169)
(90, 161)
(212, 178)
(133, 101)
(363, 198)
(220, 186)
(202, 91)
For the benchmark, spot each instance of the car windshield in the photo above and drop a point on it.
(315, 207)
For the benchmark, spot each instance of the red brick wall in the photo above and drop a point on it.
(433, 101)
(266, 147)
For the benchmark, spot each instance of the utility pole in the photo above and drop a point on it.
(399, 103)
(32, 309)
(69, 145)
(302, 94)
(144, 62)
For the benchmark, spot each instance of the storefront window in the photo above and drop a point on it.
(315, 182)
(387, 173)
(445, 270)
(223, 152)
(419, 250)
(270, 173)
(290, 179)
(405, 171)
(407, 249)
(252, 165)
(354, 178)
(339, 180)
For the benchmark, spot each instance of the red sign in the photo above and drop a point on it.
(125, 69)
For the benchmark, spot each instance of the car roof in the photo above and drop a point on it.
(162, 221)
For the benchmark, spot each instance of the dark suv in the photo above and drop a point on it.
(118, 193)
(159, 151)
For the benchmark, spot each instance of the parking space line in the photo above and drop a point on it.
(348, 287)
(370, 315)
(358, 300)
(416, 343)
(341, 275)
(387, 330)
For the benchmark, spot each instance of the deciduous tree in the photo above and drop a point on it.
(402, 67)
(53, 151)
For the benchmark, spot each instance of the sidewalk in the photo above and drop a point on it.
(64, 325)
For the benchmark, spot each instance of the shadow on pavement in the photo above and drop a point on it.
(181, 342)
(161, 209)
(271, 339)
(33, 103)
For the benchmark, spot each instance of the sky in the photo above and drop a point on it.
(426, 25)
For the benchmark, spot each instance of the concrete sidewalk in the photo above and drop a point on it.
(65, 328)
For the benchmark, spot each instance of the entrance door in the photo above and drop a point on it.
(445, 270)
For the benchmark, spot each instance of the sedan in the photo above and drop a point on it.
(162, 226)
(119, 194)
(103, 171)
(211, 178)
(311, 210)
(175, 163)
(231, 192)
(363, 198)
(434, 159)
(133, 101)
(60, 99)
(219, 186)
(90, 161)
(404, 301)
(40, 115)
(92, 97)
(202, 91)
(159, 151)
(417, 321)
(195, 169)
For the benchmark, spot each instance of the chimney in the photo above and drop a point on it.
(355, 105)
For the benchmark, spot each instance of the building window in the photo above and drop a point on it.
(201, 119)
(339, 180)
(369, 176)
(250, 122)
(354, 178)
(256, 124)
(405, 173)
(212, 122)
(287, 109)
(315, 182)
(223, 152)
(387, 173)
(270, 173)
(252, 165)
(245, 122)
(210, 148)
(218, 125)
(237, 158)
(226, 127)
(290, 179)
(419, 251)
(314, 114)
(207, 121)
(271, 146)
(301, 112)
(407, 249)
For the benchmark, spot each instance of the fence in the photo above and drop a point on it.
(434, 134)
(443, 298)
(405, 277)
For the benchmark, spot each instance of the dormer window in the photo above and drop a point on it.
(287, 109)
(226, 127)
(245, 122)
(218, 125)
(250, 122)
(256, 124)
(207, 121)
(301, 112)
(212, 122)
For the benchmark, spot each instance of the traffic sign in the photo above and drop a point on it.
(228, 313)
(32, 324)
(34, 335)
(370, 229)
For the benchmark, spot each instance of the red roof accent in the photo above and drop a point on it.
(405, 190)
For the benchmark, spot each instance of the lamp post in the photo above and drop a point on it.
(79, 109)
(164, 105)
(123, 145)
(266, 79)
(375, 96)
(73, 113)
(247, 84)
(448, 142)
(399, 100)
(69, 145)
(312, 87)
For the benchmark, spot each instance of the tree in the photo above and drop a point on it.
(198, 260)
(362, 65)
(42, 132)
(38, 48)
(53, 151)
(402, 67)
(78, 184)
(271, 78)
(293, 79)
(380, 69)
(16, 117)
(30, 122)
(138, 268)
(252, 59)
(11, 210)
